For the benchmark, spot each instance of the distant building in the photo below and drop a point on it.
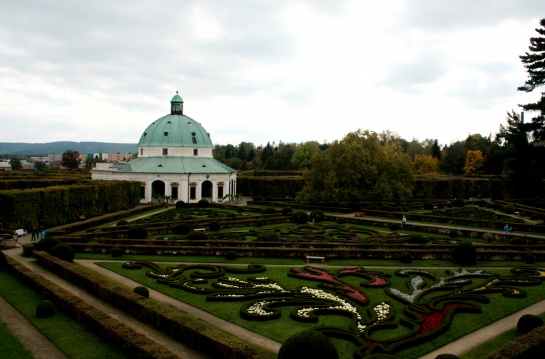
(174, 160)
(54, 157)
(5, 166)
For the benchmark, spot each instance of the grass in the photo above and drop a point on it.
(11, 347)
(281, 329)
(67, 335)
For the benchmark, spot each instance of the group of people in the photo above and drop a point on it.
(37, 233)
(507, 229)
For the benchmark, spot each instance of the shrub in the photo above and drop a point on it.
(405, 257)
(453, 233)
(203, 203)
(518, 241)
(459, 202)
(308, 344)
(197, 236)
(381, 356)
(341, 220)
(299, 217)
(509, 210)
(464, 253)
(317, 216)
(268, 236)
(232, 215)
(269, 210)
(428, 206)
(385, 207)
(417, 239)
(394, 227)
(257, 198)
(141, 290)
(214, 226)
(447, 356)
(529, 258)
(3, 261)
(528, 322)
(122, 222)
(137, 231)
(231, 255)
(259, 223)
(64, 252)
(45, 309)
(180, 204)
(46, 244)
(269, 198)
(181, 228)
(117, 252)
(373, 207)
(286, 210)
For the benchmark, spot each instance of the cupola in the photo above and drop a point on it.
(177, 105)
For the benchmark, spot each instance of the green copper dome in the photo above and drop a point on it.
(176, 98)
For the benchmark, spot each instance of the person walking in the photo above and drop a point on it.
(403, 221)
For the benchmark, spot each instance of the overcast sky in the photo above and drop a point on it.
(264, 70)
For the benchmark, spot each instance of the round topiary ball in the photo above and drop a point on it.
(317, 216)
(447, 356)
(464, 253)
(180, 204)
(529, 258)
(405, 257)
(64, 252)
(268, 236)
(231, 255)
(45, 309)
(122, 222)
(286, 210)
(203, 203)
(181, 228)
(417, 239)
(143, 291)
(137, 231)
(308, 344)
(196, 236)
(214, 226)
(528, 322)
(299, 217)
(46, 244)
(117, 252)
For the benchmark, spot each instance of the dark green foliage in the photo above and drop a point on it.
(417, 239)
(317, 216)
(459, 202)
(257, 198)
(122, 222)
(117, 252)
(137, 231)
(385, 207)
(141, 290)
(231, 255)
(518, 241)
(447, 356)
(3, 261)
(373, 207)
(509, 210)
(529, 258)
(46, 244)
(286, 210)
(181, 228)
(381, 356)
(269, 198)
(528, 322)
(453, 233)
(203, 203)
(405, 257)
(394, 227)
(299, 217)
(268, 236)
(45, 309)
(269, 210)
(214, 226)
(308, 344)
(197, 236)
(233, 215)
(180, 204)
(464, 253)
(259, 223)
(64, 252)
(428, 206)
(341, 220)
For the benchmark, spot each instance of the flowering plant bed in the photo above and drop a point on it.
(422, 302)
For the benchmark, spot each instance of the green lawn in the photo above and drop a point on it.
(11, 347)
(69, 336)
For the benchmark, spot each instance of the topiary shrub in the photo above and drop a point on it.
(341, 220)
(386, 207)
(428, 206)
(299, 217)
(45, 309)
(373, 207)
(405, 257)
(141, 290)
(257, 199)
(46, 244)
(417, 239)
(117, 252)
(259, 223)
(464, 253)
(394, 227)
(232, 215)
(509, 209)
(459, 202)
(317, 216)
(181, 228)
(203, 203)
(528, 322)
(64, 252)
(137, 231)
(381, 356)
(529, 258)
(308, 344)
(269, 198)
(453, 233)
(214, 226)
(268, 236)
(3, 261)
(447, 356)
(180, 204)
(122, 222)
(230, 255)
(197, 236)
(269, 210)
(286, 210)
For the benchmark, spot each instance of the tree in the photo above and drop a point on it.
(15, 164)
(534, 64)
(436, 150)
(425, 164)
(40, 166)
(359, 168)
(70, 159)
(453, 158)
(302, 157)
(474, 162)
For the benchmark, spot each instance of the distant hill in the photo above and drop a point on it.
(38, 149)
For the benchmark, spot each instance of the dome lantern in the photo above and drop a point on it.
(177, 105)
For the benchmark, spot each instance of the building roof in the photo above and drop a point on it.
(175, 131)
(181, 165)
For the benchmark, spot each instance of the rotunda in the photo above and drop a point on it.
(175, 162)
